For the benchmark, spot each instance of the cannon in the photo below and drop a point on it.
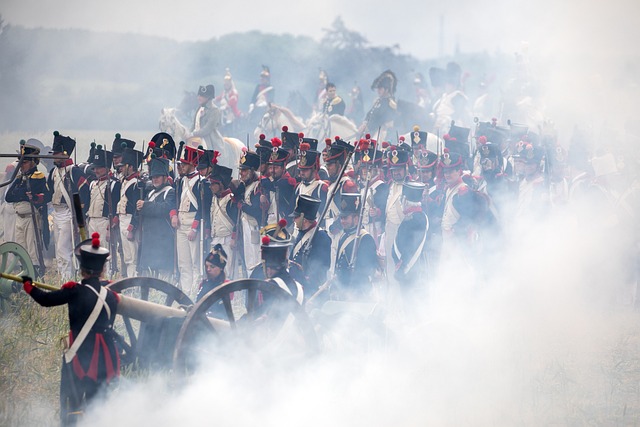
(160, 327)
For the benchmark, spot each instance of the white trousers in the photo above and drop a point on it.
(189, 259)
(63, 231)
(129, 249)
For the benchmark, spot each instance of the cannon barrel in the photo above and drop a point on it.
(146, 311)
(134, 308)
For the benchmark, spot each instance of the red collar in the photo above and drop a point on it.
(224, 193)
(133, 175)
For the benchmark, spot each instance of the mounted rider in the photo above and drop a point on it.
(207, 121)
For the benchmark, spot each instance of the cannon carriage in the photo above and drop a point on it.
(161, 328)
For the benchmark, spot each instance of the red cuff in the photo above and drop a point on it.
(173, 212)
(39, 199)
(130, 227)
(69, 285)
(195, 224)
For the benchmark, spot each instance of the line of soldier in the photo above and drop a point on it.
(413, 206)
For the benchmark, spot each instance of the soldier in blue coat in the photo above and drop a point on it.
(93, 357)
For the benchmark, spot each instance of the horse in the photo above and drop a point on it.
(275, 118)
(230, 153)
(321, 126)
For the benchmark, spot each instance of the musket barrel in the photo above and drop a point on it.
(36, 156)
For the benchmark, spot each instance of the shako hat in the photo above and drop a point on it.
(91, 255)
(119, 144)
(62, 144)
(413, 191)
(220, 174)
(158, 166)
(249, 160)
(131, 157)
(101, 157)
(307, 206)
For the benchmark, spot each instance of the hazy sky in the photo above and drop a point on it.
(414, 25)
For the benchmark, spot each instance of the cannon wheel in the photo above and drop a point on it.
(283, 323)
(147, 289)
(15, 260)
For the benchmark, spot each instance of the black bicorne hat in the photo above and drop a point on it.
(307, 206)
(208, 91)
(217, 256)
(163, 145)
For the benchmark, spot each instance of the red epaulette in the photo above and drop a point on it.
(292, 181)
(463, 190)
(69, 285)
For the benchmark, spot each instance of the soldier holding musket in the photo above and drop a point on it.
(29, 195)
(336, 157)
(252, 216)
(310, 184)
(127, 218)
(280, 184)
(187, 222)
(311, 251)
(156, 212)
(65, 179)
(105, 195)
(355, 259)
(223, 213)
(368, 161)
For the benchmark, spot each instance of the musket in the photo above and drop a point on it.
(356, 243)
(77, 207)
(322, 288)
(36, 229)
(236, 249)
(330, 197)
(113, 247)
(21, 159)
(203, 270)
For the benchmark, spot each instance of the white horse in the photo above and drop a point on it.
(321, 126)
(230, 153)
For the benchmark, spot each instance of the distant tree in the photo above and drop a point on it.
(339, 37)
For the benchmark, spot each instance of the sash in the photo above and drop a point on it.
(299, 298)
(301, 243)
(77, 342)
(188, 188)
(155, 194)
(63, 188)
(222, 212)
